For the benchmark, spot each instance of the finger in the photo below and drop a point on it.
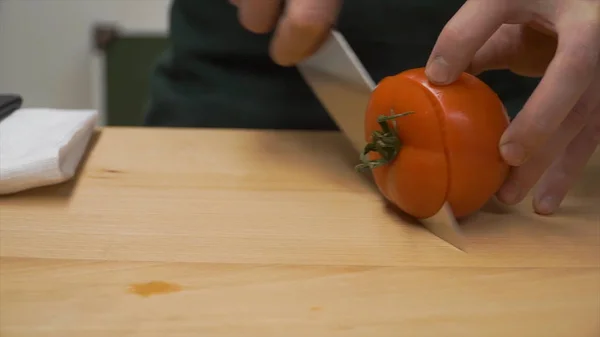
(463, 35)
(302, 29)
(259, 16)
(568, 75)
(523, 178)
(495, 52)
(524, 50)
(563, 173)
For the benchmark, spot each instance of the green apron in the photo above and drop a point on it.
(217, 74)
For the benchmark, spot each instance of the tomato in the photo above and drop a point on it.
(430, 144)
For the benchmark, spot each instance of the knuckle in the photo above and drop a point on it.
(581, 61)
(456, 32)
(533, 133)
(453, 33)
(562, 172)
(518, 9)
(315, 16)
(540, 126)
(580, 114)
(582, 52)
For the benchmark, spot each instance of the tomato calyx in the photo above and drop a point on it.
(385, 142)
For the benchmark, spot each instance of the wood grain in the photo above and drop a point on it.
(274, 234)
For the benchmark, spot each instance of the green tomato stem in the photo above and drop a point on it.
(385, 142)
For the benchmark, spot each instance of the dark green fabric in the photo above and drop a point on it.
(217, 74)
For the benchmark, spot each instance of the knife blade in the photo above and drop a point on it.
(344, 87)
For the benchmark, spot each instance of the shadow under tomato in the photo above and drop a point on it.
(495, 206)
(404, 217)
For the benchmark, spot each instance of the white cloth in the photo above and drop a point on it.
(40, 147)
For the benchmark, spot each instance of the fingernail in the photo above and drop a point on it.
(511, 193)
(547, 205)
(514, 154)
(438, 71)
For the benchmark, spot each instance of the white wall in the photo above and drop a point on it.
(46, 49)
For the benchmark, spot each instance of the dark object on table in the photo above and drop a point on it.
(9, 103)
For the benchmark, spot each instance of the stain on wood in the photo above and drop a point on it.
(153, 288)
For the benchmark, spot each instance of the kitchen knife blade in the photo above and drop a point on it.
(344, 86)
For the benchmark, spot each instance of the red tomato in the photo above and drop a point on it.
(430, 144)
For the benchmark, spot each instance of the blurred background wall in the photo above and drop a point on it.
(46, 49)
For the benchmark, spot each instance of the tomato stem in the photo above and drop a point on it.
(385, 142)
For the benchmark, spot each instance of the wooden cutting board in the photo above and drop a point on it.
(253, 233)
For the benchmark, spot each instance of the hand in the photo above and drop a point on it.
(557, 131)
(300, 28)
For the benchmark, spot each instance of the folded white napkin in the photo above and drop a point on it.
(40, 147)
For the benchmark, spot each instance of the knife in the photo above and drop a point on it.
(344, 87)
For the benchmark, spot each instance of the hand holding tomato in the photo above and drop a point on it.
(558, 129)
(300, 29)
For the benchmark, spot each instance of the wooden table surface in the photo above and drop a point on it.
(253, 234)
